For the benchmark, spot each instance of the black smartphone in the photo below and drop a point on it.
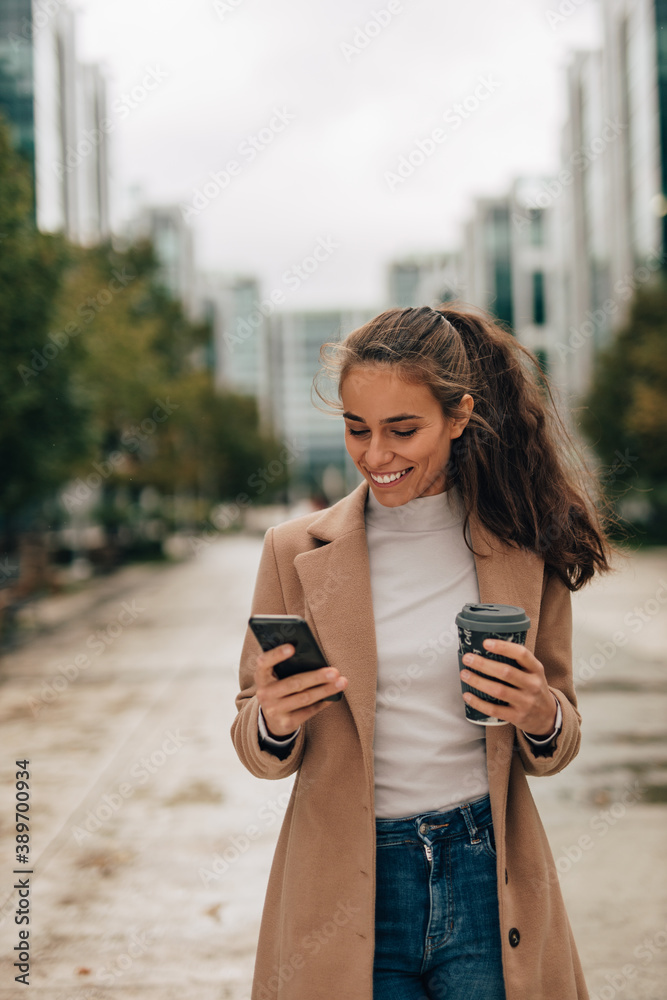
(275, 630)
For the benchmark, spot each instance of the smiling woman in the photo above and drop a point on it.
(403, 813)
(408, 451)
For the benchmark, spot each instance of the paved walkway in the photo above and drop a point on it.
(124, 704)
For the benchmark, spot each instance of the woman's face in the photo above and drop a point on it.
(396, 430)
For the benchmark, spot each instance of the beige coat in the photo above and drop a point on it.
(316, 939)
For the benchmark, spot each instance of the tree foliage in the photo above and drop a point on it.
(626, 416)
(103, 381)
(43, 416)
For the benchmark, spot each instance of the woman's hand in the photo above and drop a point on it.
(531, 705)
(288, 702)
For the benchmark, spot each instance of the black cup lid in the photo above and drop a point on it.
(494, 617)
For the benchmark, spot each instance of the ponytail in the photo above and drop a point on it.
(515, 464)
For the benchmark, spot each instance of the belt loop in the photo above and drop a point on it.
(470, 823)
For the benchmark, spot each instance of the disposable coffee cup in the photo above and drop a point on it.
(477, 622)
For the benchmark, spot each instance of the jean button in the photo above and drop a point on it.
(423, 828)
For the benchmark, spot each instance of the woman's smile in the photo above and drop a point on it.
(397, 434)
(389, 478)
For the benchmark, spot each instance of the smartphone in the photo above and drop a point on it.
(275, 630)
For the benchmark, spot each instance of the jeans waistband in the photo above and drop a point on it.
(463, 819)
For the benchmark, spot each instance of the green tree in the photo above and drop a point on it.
(212, 445)
(43, 417)
(156, 416)
(626, 416)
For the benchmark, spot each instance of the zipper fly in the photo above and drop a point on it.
(429, 853)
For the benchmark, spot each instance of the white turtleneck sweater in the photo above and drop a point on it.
(427, 755)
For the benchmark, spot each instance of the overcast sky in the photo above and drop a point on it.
(347, 99)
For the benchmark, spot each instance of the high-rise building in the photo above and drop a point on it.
(487, 257)
(510, 264)
(239, 321)
(316, 437)
(173, 243)
(635, 99)
(582, 194)
(536, 240)
(425, 280)
(56, 108)
(611, 187)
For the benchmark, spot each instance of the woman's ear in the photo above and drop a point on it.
(459, 424)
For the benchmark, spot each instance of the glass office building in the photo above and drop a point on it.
(316, 437)
(16, 76)
(425, 280)
(54, 105)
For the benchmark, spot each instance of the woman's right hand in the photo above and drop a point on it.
(288, 702)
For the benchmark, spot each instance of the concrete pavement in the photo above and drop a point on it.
(148, 882)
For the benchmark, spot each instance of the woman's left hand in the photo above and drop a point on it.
(531, 705)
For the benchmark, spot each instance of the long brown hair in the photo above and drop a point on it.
(516, 465)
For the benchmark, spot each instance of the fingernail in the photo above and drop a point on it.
(467, 658)
(340, 682)
(330, 674)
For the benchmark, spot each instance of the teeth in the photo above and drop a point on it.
(388, 479)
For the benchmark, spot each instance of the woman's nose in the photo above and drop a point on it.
(378, 453)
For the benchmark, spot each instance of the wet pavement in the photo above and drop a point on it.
(146, 881)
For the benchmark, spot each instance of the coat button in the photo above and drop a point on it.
(515, 937)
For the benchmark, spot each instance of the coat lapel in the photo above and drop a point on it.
(335, 577)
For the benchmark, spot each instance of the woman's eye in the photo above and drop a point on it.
(403, 434)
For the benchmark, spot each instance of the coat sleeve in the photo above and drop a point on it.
(268, 600)
(553, 648)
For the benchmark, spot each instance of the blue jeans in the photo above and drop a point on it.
(437, 932)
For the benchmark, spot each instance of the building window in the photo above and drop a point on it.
(538, 298)
(499, 250)
(536, 218)
(543, 361)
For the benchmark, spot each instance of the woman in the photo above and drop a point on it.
(411, 863)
